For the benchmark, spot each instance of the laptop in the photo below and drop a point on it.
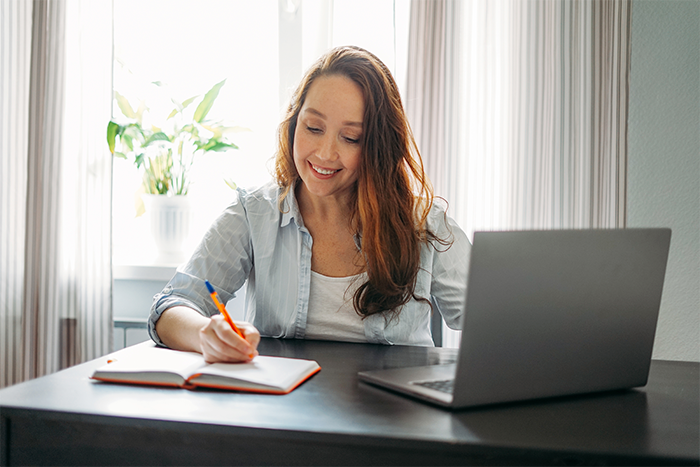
(548, 313)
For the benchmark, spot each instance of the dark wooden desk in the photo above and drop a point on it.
(67, 419)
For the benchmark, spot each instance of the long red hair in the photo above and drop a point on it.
(393, 196)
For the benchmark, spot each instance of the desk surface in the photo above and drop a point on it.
(68, 419)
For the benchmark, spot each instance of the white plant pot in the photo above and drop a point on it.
(170, 218)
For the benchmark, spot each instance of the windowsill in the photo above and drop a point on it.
(149, 272)
(143, 263)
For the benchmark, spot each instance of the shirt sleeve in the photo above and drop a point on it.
(223, 257)
(448, 288)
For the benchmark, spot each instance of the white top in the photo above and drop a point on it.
(331, 314)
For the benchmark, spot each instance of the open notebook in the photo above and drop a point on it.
(549, 313)
(151, 365)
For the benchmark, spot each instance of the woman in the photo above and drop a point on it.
(345, 244)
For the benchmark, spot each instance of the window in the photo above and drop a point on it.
(261, 48)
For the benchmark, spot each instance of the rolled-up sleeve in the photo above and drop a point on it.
(450, 267)
(223, 257)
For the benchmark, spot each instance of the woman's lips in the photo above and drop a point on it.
(323, 171)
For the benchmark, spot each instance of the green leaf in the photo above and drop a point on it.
(120, 155)
(127, 141)
(179, 107)
(194, 132)
(231, 183)
(124, 106)
(130, 132)
(112, 130)
(205, 106)
(187, 102)
(205, 145)
(159, 136)
(219, 146)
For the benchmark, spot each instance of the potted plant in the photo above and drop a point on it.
(164, 151)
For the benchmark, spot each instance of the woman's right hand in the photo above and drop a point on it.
(220, 343)
(183, 328)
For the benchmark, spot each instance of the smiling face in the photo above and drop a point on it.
(328, 138)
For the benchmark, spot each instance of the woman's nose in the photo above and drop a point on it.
(328, 149)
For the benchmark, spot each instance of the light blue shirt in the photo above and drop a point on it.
(254, 241)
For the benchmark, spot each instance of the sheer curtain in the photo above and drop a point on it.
(520, 110)
(56, 185)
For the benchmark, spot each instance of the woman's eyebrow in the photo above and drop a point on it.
(323, 116)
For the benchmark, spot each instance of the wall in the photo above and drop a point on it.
(134, 288)
(664, 158)
(131, 301)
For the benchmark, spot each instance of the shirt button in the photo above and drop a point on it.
(168, 290)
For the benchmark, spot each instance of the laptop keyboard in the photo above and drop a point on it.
(443, 385)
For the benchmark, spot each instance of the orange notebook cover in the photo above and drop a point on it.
(156, 366)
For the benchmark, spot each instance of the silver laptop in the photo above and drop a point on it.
(548, 313)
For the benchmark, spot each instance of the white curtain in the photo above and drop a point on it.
(520, 110)
(56, 185)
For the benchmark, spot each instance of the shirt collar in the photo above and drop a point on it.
(290, 210)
